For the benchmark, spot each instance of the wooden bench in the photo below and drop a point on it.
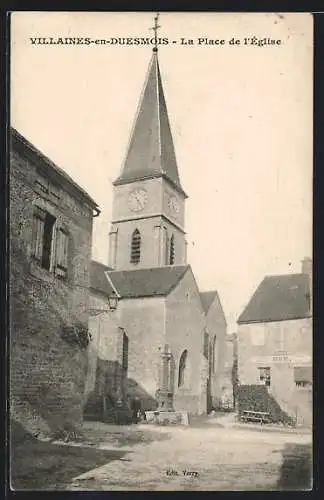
(255, 416)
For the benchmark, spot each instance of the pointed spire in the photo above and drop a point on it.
(151, 151)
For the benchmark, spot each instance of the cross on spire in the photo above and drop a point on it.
(155, 29)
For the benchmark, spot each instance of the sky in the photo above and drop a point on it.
(241, 118)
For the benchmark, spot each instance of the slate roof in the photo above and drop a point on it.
(22, 145)
(279, 298)
(207, 298)
(158, 281)
(151, 150)
(98, 279)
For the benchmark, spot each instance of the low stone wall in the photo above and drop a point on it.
(167, 417)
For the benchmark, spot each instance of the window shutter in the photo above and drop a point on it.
(38, 234)
(62, 242)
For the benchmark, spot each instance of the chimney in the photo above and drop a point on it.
(307, 268)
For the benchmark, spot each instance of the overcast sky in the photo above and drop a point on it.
(241, 118)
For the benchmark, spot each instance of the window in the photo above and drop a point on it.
(214, 354)
(135, 247)
(206, 344)
(303, 376)
(43, 224)
(62, 244)
(264, 375)
(172, 252)
(182, 368)
(125, 351)
(49, 246)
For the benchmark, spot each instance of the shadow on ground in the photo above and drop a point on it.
(119, 436)
(296, 469)
(38, 465)
(203, 421)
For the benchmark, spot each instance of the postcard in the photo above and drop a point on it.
(161, 251)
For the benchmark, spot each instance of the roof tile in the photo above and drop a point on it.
(207, 298)
(158, 281)
(279, 298)
(98, 279)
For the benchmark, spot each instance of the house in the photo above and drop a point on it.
(275, 341)
(51, 220)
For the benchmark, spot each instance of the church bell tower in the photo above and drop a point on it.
(147, 228)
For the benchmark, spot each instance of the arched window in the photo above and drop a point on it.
(214, 354)
(135, 247)
(182, 368)
(206, 344)
(172, 252)
(125, 351)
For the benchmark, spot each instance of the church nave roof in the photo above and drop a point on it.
(151, 282)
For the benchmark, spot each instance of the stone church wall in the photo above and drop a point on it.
(217, 329)
(106, 374)
(47, 373)
(143, 321)
(185, 322)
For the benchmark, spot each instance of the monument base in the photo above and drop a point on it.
(160, 417)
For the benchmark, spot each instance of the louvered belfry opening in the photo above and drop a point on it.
(172, 252)
(136, 247)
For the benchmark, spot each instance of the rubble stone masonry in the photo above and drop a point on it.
(47, 373)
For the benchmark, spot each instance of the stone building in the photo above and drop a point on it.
(51, 221)
(227, 380)
(107, 353)
(176, 334)
(275, 341)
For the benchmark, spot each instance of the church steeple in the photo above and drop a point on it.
(151, 152)
(147, 228)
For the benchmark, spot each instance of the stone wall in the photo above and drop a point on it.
(217, 329)
(106, 375)
(260, 345)
(185, 325)
(143, 321)
(47, 374)
(259, 341)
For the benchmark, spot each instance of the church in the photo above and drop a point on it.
(166, 336)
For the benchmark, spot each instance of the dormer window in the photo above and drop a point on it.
(136, 247)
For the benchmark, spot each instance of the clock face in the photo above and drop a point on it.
(137, 199)
(173, 204)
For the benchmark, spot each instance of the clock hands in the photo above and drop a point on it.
(138, 199)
